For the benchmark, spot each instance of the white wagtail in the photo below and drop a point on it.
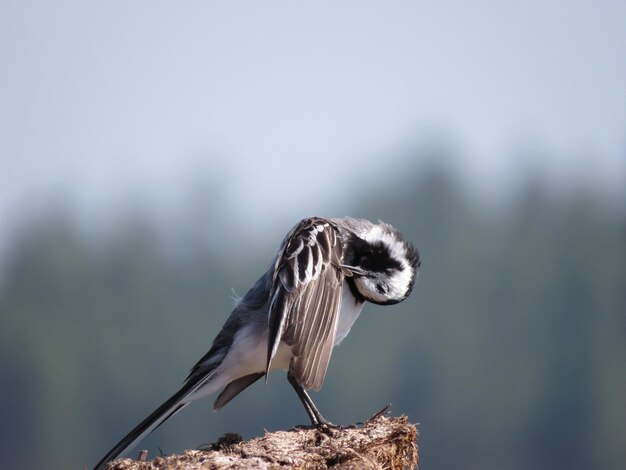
(303, 306)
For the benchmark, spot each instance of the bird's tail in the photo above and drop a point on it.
(168, 409)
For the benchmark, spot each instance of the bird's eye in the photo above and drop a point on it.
(382, 288)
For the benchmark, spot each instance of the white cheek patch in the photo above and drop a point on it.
(367, 287)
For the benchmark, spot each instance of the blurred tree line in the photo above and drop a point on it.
(510, 353)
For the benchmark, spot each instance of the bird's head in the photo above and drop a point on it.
(384, 266)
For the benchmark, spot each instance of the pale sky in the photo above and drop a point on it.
(291, 104)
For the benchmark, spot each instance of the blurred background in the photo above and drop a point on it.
(154, 154)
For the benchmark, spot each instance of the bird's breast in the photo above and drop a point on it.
(349, 311)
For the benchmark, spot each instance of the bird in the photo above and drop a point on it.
(295, 314)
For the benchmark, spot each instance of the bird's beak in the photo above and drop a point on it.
(349, 271)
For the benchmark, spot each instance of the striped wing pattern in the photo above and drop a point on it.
(305, 299)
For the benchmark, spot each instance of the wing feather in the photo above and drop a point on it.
(305, 299)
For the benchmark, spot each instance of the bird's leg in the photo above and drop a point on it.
(316, 417)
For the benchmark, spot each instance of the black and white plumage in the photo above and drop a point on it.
(293, 316)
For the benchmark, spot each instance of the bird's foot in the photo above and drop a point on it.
(326, 427)
(331, 429)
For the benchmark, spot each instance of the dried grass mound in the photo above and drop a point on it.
(381, 443)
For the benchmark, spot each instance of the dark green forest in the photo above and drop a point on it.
(510, 353)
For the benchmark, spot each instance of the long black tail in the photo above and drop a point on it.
(163, 413)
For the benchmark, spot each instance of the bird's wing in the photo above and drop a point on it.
(305, 299)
